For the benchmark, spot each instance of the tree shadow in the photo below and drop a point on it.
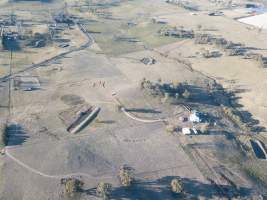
(264, 59)
(206, 96)
(218, 96)
(16, 135)
(193, 189)
(106, 121)
(211, 95)
(254, 48)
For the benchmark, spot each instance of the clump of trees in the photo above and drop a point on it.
(229, 47)
(126, 176)
(178, 32)
(165, 91)
(72, 186)
(103, 190)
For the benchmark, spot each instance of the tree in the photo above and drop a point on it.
(166, 97)
(199, 27)
(142, 83)
(125, 176)
(186, 94)
(72, 186)
(103, 190)
(204, 128)
(176, 84)
(118, 108)
(260, 30)
(176, 186)
(170, 128)
(260, 61)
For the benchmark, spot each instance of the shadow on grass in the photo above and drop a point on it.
(193, 189)
(142, 110)
(16, 135)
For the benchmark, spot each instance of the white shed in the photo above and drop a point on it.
(186, 131)
(194, 117)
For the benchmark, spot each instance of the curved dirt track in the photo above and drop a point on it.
(35, 171)
(140, 119)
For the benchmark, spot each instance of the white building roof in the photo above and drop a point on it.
(194, 117)
(186, 131)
